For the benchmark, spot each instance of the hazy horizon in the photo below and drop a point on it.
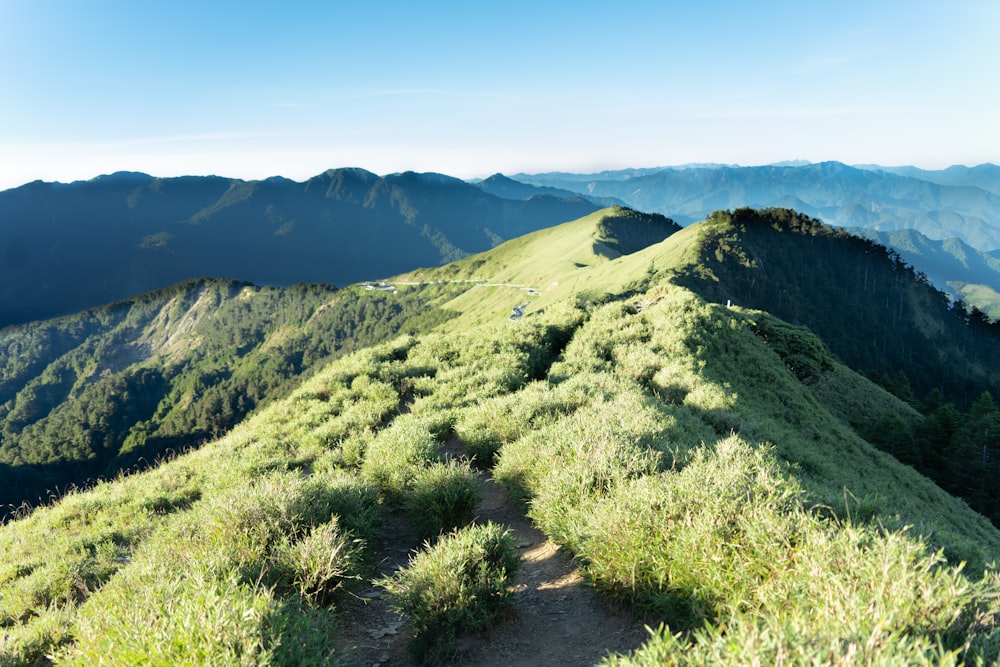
(256, 90)
(485, 175)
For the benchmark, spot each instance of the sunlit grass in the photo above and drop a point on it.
(710, 477)
(459, 584)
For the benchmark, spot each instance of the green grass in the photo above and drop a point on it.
(243, 513)
(461, 584)
(442, 497)
(705, 466)
(395, 456)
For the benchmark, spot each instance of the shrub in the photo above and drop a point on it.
(320, 563)
(182, 620)
(487, 426)
(458, 585)
(584, 453)
(30, 643)
(443, 497)
(670, 543)
(725, 549)
(208, 622)
(394, 456)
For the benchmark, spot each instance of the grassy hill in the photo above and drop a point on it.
(705, 465)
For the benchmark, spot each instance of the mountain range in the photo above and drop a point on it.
(961, 203)
(66, 247)
(690, 413)
(946, 223)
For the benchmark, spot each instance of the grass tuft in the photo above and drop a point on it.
(458, 585)
(442, 497)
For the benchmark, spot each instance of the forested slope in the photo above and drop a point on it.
(95, 393)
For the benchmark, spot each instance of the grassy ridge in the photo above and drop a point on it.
(706, 466)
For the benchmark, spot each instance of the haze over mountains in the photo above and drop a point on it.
(960, 203)
(65, 247)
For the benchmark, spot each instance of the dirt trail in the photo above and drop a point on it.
(556, 620)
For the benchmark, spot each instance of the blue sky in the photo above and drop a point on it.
(252, 89)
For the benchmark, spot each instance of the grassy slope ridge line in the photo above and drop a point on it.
(773, 548)
(623, 431)
(699, 477)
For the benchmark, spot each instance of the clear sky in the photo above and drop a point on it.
(251, 89)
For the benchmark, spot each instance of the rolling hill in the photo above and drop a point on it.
(67, 247)
(711, 468)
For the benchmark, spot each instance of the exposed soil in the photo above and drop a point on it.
(556, 619)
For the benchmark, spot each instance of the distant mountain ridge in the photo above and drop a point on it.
(985, 176)
(66, 247)
(508, 188)
(958, 202)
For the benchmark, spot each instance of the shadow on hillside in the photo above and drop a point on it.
(28, 486)
(25, 487)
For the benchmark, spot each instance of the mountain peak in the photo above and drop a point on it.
(121, 177)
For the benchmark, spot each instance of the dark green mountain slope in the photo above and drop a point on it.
(953, 266)
(66, 247)
(95, 393)
(859, 297)
(704, 465)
